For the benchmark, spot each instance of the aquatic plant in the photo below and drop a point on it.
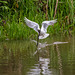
(12, 13)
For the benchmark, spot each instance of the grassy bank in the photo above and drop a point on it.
(12, 13)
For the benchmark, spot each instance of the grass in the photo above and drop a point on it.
(12, 25)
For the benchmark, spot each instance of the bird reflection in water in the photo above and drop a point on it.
(42, 68)
(43, 65)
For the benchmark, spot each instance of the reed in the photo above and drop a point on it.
(12, 25)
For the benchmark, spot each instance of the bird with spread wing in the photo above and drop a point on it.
(43, 31)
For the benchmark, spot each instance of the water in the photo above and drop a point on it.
(54, 56)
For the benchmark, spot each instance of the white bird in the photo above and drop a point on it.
(41, 32)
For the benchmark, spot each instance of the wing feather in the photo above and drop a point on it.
(32, 24)
(45, 24)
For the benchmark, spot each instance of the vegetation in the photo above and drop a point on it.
(12, 13)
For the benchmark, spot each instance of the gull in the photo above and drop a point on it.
(42, 33)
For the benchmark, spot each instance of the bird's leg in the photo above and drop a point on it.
(38, 37)
(37, 40)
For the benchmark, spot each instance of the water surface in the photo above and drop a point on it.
(54, 56)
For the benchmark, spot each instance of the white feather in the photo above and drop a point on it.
(32, 24)
(43, 29)
(45, 24)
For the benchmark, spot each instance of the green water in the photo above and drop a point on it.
(23, 57)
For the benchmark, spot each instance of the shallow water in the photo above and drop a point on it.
(54, 56)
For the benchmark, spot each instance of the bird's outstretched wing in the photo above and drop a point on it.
(32, 24)
(45, 24)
